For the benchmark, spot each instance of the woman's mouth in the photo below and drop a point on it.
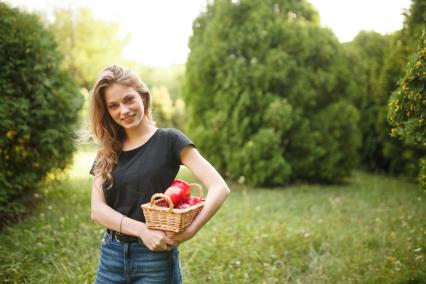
(128, 119)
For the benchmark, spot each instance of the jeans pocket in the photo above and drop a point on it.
(106, 240)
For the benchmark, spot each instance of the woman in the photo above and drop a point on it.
(135, 160)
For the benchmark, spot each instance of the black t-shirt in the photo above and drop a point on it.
(145, 170)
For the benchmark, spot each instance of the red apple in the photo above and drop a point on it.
(176, 194)
(162, 204)
(183, 205)
(182, 185)
(192, 200)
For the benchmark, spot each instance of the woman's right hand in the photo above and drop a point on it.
(156, 240)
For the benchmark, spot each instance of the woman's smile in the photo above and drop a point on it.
(128, 119)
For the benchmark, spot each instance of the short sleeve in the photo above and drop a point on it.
(179, 141)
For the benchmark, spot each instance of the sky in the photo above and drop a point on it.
(160, 29)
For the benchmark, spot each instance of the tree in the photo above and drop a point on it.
(407, 106)
(264, 93)
(398, 157)
(38, 110)
(89, 45)
(162, 105)
(366, 55)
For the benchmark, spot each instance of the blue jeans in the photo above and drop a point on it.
(135, 263)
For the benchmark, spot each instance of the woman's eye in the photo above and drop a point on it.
(112, 106)
(129, 100)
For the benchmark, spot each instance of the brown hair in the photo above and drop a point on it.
(106, 133)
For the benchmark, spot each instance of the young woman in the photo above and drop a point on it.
(135, 159)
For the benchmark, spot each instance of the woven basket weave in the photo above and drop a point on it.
(170, 219)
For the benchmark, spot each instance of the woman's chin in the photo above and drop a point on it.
(131, 125)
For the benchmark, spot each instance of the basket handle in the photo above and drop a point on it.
(199, 188)
(161, 196)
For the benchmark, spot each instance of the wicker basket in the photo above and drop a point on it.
(170, 219)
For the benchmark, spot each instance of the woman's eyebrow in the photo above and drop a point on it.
(111, 102)
(125, 97)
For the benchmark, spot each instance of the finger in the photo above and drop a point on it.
(160, 248)
(170, 241)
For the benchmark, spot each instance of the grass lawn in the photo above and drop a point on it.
(372, 230)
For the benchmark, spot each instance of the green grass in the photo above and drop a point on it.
(371, 230)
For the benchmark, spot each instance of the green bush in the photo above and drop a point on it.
(408, 104)
(389, 154)
(366, 55)
(393, 155)
(264, 95)
(38, 110)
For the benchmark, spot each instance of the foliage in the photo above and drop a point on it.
(407, 106)
(38, 110)
(171, 77)
(376, 64)
(167, 113)
(375, 234)
(395, 156)
(260, 77)
(162, 104)
(89, 45)
(414, 22)
(365, 56)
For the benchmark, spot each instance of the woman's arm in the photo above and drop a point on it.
(217, 190)
(104, 215)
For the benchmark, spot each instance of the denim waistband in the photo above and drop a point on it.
(123, 238)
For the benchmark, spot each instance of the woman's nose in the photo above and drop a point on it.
(124, 109)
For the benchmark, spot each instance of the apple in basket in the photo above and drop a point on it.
(189, 201)
(192, 200)
(162, 203)
(185, 187)
(183, 205)
(178, 191)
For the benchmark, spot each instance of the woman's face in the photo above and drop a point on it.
(125, 105)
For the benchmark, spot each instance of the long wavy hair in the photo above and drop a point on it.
(104, 130)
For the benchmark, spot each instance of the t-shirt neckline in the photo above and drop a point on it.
(141, 146)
